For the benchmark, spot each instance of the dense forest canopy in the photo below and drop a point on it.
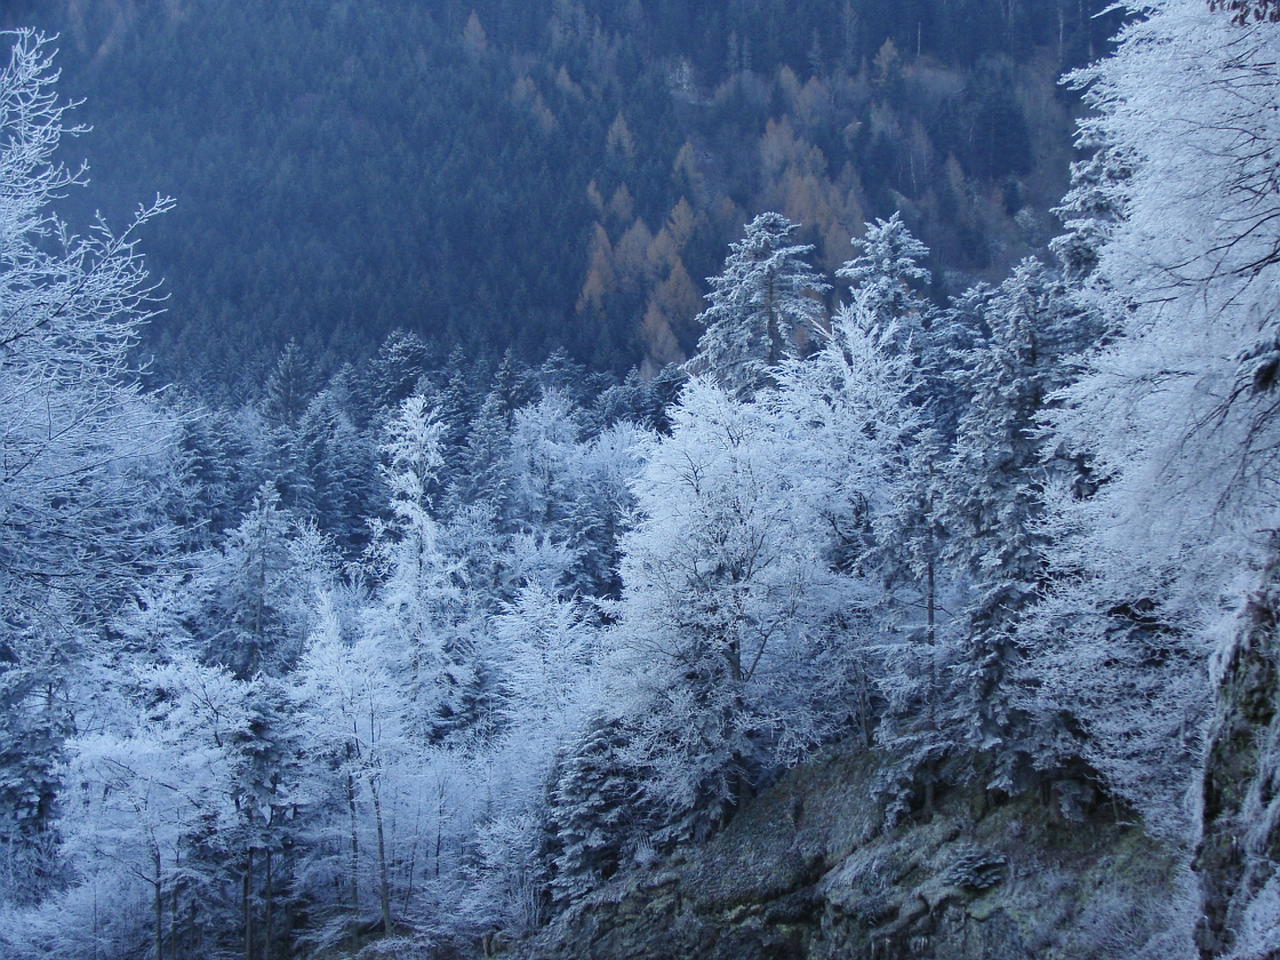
(365, 623)
(547, 175)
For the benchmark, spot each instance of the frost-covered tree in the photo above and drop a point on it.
(1094, 204)
(250, 582)
(358, 733)
(851, 422)
(568, 491)
(420, 617)
(289, 387)
(213, 477)
(337, 466)
(1197, 242)
(595, 810)
(602, 506)
(77, 524)
(764, 298)
(547, 646)
(273, 812)
(726, 606)
(1177, 413)
(888, 275)
(544, 448)
(156, 798)
(485, 458)
(994, 503)
(401, 360)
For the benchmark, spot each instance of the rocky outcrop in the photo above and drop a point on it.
(1239, 856)
(805, 870)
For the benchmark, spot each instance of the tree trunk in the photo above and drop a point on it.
(268, 933)
(931, 636)
(159, 904)
(355, 858)
(246, 905)
(384, 886)
(159, 908)
(439, 835)
(174, 920)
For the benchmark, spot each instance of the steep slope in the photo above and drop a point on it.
(805, 871)
(1239, 857)
(539, 175)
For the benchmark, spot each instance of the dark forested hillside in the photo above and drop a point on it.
(547, 174)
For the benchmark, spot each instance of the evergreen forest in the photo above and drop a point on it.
(469, 470)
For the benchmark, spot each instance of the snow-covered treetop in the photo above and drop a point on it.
(762, 299)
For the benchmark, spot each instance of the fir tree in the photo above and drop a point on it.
(594, 811)
(765, 298)
(288, 387)
(887, 275)
(420, 618)
(249, 584)
(994, 500)
(1093, 205)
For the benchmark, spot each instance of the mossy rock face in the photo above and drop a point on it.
(1237, 857)
(805, 872)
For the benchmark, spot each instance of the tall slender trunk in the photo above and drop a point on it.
(439, 834)
(384, 885)
(931, 633)
(174, 938)
(355, 847)
(247, 905)
(159, 903)
(267, 933)
(411, 869)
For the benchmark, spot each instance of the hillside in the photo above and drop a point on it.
(547, 175)
(913, 616)
(807, 871)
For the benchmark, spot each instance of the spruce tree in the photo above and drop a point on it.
(288, 387)
(765, 296)
(594, 811)
(887, 275)
(994, 499)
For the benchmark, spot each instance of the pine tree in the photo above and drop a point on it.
(288, 387)
(485, 460)
(420, 618)
(994, 499)
(594, 811)
(887, 276)
(265, 779)
(336, 467)
(765, 298)
(634, 401)
(545, 447)
(202, 487)
(401, 361)
(601, 506)
(1094, 204)
(453, 394)
(250, 584)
